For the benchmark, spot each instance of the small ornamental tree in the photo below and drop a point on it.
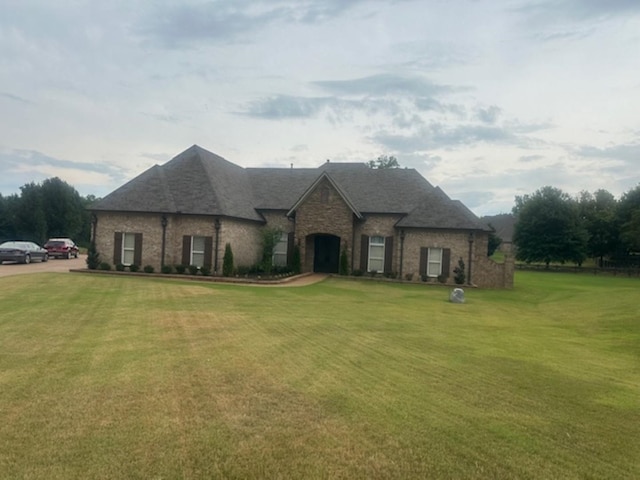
(458, 273)
(344, 262)
(227, 261)
(93, 257)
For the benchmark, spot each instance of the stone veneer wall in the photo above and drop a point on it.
(244, 236)
(485, 272)
(245, 240)
(314, 216)
(415, 239)
(278, 219)
(377, 224)
(146, 223)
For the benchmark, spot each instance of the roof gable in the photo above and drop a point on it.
(343, 194)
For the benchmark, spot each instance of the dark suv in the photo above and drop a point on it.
(62, 248)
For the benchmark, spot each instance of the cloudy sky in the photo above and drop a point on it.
(488, 99)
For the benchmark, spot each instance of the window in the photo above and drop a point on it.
(279, 258)
(434, 263)
(128, 248)
(197, 251)
(376, 254)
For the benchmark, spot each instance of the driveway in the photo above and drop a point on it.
(53, 265)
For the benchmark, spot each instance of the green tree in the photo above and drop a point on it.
(384, 161)
(8, 207)
(598, 210)
(549, 228)
(93, 257)
(63, 209)
(458, 273)
(344, 262)
(30, 218)
(629, 220)
(227, 261)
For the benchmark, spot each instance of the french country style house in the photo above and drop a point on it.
(389, 221)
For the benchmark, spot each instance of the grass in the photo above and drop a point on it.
(104, 377)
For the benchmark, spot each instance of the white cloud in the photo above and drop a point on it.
(488, 99)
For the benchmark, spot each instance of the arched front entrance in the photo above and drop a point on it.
(326, 253)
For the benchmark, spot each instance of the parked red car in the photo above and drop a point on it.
(62, 248)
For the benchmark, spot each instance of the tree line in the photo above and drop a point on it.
(44, 210)
(552, 226)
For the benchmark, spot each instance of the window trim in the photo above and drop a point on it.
(126, 249)
(373, 242)
(193, 251)
(284, 240)
(438, 262)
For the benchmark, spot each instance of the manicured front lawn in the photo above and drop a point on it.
(104, 377)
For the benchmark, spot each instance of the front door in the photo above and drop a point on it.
(326, 256)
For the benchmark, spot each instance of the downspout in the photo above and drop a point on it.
(471, 238)
(163, 222)
(353, 240)
(401, 253)
(216, 224)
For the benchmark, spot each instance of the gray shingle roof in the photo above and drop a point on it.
(200, 182)
(194, 182)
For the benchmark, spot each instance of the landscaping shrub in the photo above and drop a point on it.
(243, 270)
(357, 273)
(344, 262)
(227, 261)
(93, 258)
(148, 269)
(458, 273)
(166, 269)
(408, 276)
(181, 268)
(193, 269)
(205, 270)
(134, 268)
(104, 266)
(120, 267)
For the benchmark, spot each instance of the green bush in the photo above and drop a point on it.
(458, 273)
(181, 268)
(344, 262)
(166, 269)
(227, 262)
(193, 269)
(120, 267)
(357, 273)
(205, 270)
(244, 270)
(104, 266)
(93, 258)
(134, 268)
(148, 269)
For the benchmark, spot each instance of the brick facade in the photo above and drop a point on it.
(324, 212)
